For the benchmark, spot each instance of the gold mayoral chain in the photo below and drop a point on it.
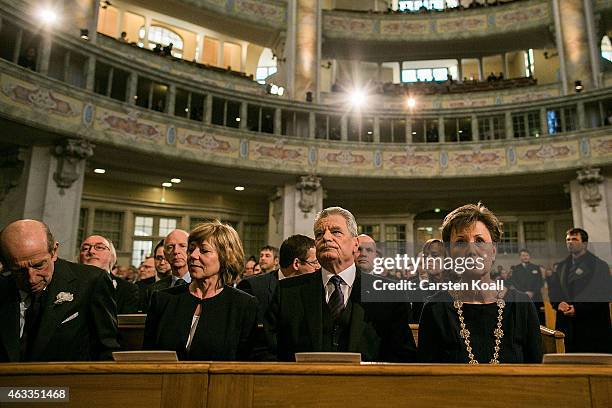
(498, 333)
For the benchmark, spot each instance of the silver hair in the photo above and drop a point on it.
(346, 214)
(113, 252)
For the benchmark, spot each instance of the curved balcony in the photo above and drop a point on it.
(73, 94)
(426, 36)
(39, 102)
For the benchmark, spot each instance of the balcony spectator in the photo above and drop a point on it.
(28, 60)
(123, 37)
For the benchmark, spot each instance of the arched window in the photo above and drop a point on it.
(606, 48)
(266, 66)
(162, 36)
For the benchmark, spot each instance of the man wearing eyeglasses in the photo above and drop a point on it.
(98, 251)
(51, 309)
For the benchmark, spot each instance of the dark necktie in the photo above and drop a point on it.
(30, 328)
(179, 282)
(336, 300)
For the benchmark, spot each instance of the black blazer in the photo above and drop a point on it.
(225, 330)
(294, 323)
(126, 295)
(588, 289)
(79, 330)
(161, 284)
(262, 287)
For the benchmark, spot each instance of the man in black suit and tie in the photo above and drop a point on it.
(51, 309)
(99, 251)
(297, 256)
(324, 311)
(527, 278)
(175, 250)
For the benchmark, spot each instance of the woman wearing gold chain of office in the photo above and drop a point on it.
(476, 325)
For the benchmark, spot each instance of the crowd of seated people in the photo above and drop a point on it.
(449, 86)
(448, 6)
(312, 295)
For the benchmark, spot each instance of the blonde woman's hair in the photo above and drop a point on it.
(227, 243)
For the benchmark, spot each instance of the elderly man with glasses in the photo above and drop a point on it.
(51, 309)
(99, 251)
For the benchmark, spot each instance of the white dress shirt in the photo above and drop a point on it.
(348, 277)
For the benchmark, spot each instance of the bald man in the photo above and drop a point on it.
(99, 251)
(51, 309)
(175, 251)
(366, 252)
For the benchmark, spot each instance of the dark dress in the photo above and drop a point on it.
(439, 340)
(224, 332)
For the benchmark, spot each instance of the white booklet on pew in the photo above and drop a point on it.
(321, 357)
(577, 358)
(153, 355)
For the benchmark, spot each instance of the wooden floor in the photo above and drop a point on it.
(220, 384)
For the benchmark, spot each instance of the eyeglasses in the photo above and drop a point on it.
(97, 247)
(314, 264)
(160, 258)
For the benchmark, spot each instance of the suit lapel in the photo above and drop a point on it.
(63, 280)
(9, 316)
(312, 301)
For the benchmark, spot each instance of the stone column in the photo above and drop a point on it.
(90, 77)
(278, 122)
(171, 99)
(544, 122)
(441, 136)
(592, 36)
(45, 183)
(459, 71)
(480, 69)
(44, 53)
(506, 66)
(243, 115)
(344, 128)
(293, 208)
(591, 195)
(474, 123)
(408, 129)
(575, 43)
(208, 109)
(306, 47)
(132, 86)
(312, 124)
(508, 125)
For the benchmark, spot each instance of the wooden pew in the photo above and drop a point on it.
(226, 384)
(131, 331)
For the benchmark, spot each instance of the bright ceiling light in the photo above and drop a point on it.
(411, 102)
(175, 180)
(166, 184)
(239, 188)
(436, 210)
(47, 16)
(358, 98)
(99, 171)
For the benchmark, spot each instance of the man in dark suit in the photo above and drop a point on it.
(51, 309)
(324, 311)
(175, 251)
(297, 257)
(579, 290)
(99, 251)
(527, 278)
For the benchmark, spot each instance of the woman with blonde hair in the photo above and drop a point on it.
(207, 319)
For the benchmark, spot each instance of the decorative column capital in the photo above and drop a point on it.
(70, 153)
(590, 179)
(308, 186)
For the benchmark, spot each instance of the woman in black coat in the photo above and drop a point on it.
(207, 319)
